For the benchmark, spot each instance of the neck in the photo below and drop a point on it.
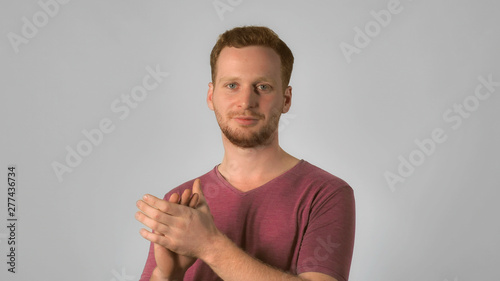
(249, 168)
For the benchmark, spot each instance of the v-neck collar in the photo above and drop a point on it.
(243, 193)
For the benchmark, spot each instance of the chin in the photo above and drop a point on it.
(249, 139)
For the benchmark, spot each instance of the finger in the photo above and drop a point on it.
(185, 197)
(194, 200)
(154, 225)
(174, 198)
(159, 204)
(156, 214)
(154, 237)
(202, 202)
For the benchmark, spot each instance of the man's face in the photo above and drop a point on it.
(247, 95)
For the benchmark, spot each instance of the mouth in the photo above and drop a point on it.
(246, 120)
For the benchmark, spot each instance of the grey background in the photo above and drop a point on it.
(351, 119)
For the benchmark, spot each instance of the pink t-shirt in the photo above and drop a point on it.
(301, 221)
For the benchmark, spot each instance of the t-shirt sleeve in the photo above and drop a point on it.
(328, 241)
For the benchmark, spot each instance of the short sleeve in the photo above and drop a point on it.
(328, 241)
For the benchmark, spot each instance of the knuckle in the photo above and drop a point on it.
(154, 225)
(164, 208)
(156, 215)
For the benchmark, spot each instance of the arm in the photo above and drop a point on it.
(232, 263)
(192, 232)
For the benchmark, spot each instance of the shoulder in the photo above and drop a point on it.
(328, 199)
(316, 178)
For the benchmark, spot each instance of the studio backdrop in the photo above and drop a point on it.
(104, 101)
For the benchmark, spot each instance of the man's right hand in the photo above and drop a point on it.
(169, 265)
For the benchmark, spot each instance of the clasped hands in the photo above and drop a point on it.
(182, 228)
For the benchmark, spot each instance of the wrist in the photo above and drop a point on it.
(215, 249)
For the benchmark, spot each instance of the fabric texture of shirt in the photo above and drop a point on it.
(300, 221)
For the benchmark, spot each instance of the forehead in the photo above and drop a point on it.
(248, 61)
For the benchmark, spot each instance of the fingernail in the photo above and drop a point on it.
(145, 197)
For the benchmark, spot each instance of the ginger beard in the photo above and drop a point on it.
(243, 136)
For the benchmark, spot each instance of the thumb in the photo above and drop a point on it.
(202, 202)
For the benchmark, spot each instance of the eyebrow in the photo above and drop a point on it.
(225, 79)
(260, 78)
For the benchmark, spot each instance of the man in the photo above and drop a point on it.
(266, 215)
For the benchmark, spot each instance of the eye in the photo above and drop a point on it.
(231, 85)
(263, 87)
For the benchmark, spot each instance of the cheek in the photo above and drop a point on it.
(276, 103)
(221, 105)
(226, 103)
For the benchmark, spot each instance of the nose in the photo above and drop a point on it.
(249, 97)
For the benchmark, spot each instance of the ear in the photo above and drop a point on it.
(287, 102)
(210, 95)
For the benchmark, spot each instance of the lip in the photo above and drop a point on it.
(246, 120)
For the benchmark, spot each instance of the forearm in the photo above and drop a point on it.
(233, 264)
